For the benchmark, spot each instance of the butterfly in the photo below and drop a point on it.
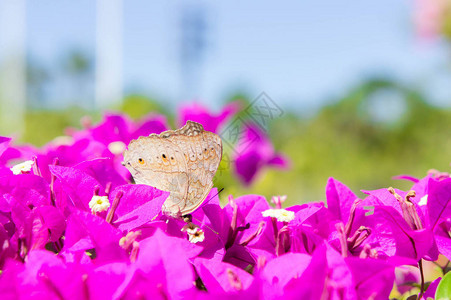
(182, 162)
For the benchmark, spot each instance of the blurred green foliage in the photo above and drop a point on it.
(346, 139)
(137, 106)
(345, 142)
(41, 126)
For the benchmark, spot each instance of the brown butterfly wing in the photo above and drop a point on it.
(182, 161)
(158, 162)
(203, 152)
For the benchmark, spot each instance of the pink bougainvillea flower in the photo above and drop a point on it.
(138, 205)
(399, 200)
(431, 200)
(296, 276)
(432, 288)
(4, 141)
(253, 152)
(7, 153)
(247, 210)
(250, 236)
(129, 206)
(327, 274)
(278, 272)
(371, 278)
(213, 223)
(103, 171)
(116, 131)
(77, 185)
(231, 233)
(107, 140)
(47, 276)
(66, 155)
(345, 207)
(118, 127)
(230, 230)
(26, 281)
(406, 278)
(341, 283)
(86, 231)
(223, 278)
(438, 201)
(200, 114)
(161, 270)
(30, 230)
(392, 234)
(435, 202)
(103, 280)
(29, 189)
(78, 229)
(27, 214)
(442, 234)
(80, 182)
(9, 250)
(340, 200)
(406, 177)
(312, 225)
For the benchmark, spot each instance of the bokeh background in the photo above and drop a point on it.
(365, 87)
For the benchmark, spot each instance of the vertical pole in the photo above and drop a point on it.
(192, 46)
(109, 26)
(13, 80)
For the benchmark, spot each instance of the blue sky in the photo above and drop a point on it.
(301, 53)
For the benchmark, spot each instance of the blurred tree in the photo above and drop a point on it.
(38, 76)
(41, 126)
(137, 106)
(77, 65)
(347, 141)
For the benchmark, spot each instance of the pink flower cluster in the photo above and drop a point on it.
(431, 17)
(72, 226)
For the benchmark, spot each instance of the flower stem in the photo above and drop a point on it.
(420, 265)
(445, 267)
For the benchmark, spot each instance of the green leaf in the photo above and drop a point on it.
(444, 288)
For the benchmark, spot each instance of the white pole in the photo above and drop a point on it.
(13, 81)
(109, 25)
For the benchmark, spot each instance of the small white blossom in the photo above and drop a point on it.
(282, 215)
(117, 147)
(423, 200)
(22, 167)
(195, 234)
(99, 204)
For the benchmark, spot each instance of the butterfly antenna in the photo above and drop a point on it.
(200, 222)
(216, 194)
(189, 218)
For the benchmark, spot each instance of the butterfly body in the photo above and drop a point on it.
(182, 162)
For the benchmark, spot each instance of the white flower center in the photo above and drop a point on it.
(99, 204)
(116, 147)
(281, 215)
(22, 167)
(195, 234)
